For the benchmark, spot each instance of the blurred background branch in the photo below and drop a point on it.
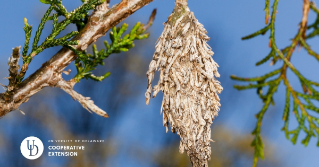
(304, 112)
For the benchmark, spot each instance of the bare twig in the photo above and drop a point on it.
(4, 86)
(301, 34)
(13, 67)
(150, 21)
(21, 111)
(84, 101)
(303, 24)
(101, 20)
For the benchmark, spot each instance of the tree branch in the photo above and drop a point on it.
(86, 103)
(101, 20)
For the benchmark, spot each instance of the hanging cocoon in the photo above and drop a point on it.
(187, 78)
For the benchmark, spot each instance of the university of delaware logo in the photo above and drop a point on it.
(31, 147)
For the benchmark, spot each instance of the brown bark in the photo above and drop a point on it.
(101, 20)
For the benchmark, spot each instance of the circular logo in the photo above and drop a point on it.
(32, 147)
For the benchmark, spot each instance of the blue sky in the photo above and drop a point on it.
(226, 21)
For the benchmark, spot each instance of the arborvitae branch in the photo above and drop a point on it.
(267, 12)
(259, 32)
(87, 62)
(101, 20)
(27, 29)
(270, 55)
(75, 16)
(309, 94)
(264, 77)
(40, 28)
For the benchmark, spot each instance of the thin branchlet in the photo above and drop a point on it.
(301, 110)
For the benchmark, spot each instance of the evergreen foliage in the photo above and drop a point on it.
(86, 63)
(78, 16)
(301, 104)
